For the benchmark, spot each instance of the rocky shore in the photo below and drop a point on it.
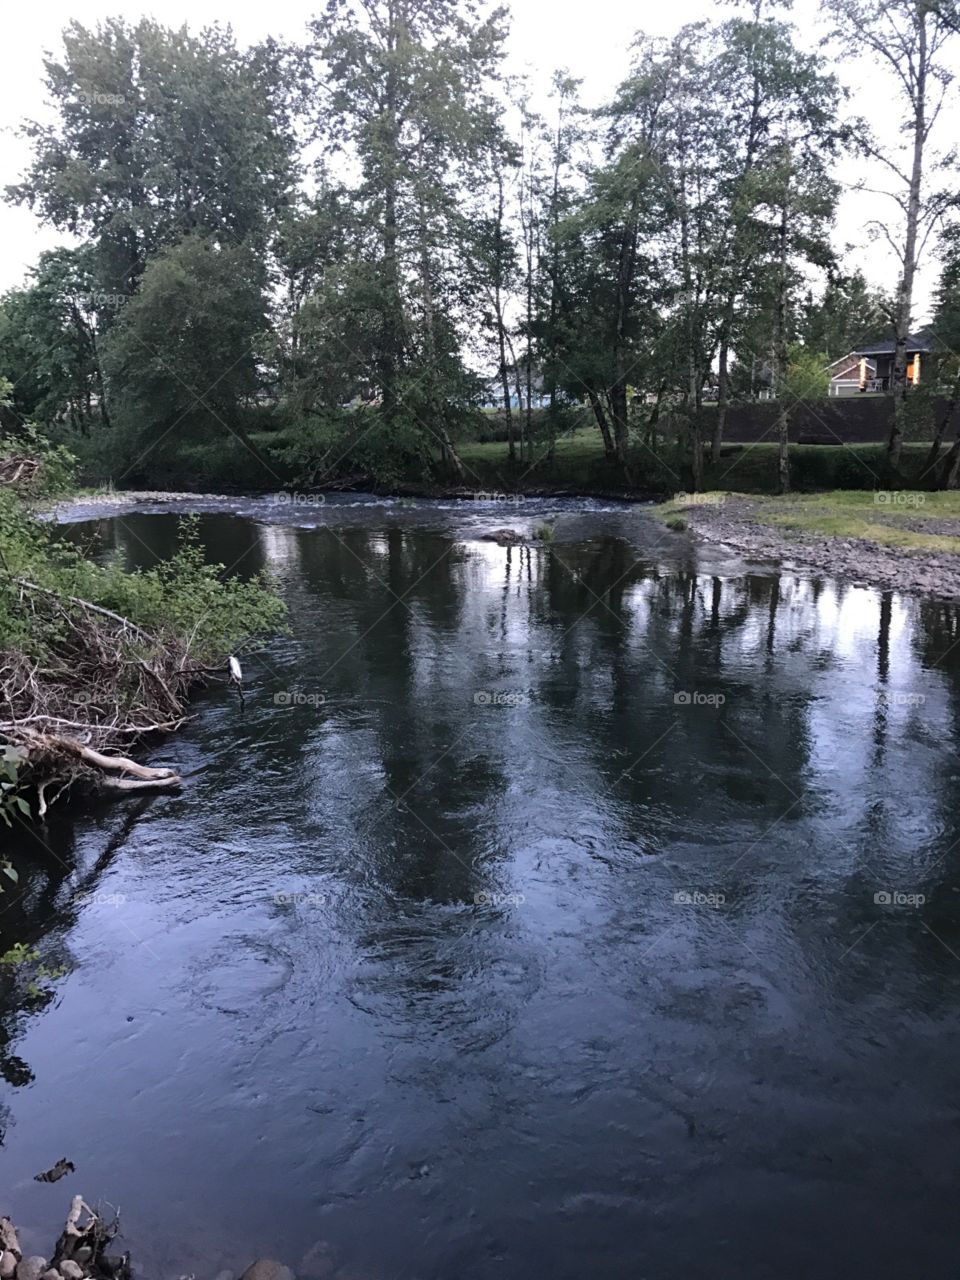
(738, 523)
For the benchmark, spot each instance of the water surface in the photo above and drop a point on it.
(546, 911)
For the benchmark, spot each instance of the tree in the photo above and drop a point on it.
(49, 343)
(765, 89)
(158, 134)
(406, 84)
(946, 326)
(909, 38)
(181, 360)
(495, 263)
(847, 314)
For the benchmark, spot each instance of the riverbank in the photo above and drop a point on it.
(94, 659)
(577, 466)
(895, 540)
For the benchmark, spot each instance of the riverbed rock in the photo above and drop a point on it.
(8, 1265)
(31, 1268)
(504, 537)
(71, 1270)
(267, 1269)
(318, 1263)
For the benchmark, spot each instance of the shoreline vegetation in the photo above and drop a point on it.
(96, 660)
(905, 540)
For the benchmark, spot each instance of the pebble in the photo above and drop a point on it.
(31, 1268)
(267, 1269)
(847, 559)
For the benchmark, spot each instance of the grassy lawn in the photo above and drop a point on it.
(891, 518)
(580, 465)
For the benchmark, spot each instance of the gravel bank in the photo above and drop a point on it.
(735, 524)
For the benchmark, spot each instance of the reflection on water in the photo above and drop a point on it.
(588, 909)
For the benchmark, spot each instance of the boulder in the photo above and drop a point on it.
(8, 1265)
(31, 1268)
(267, 1269)
(71, 1270)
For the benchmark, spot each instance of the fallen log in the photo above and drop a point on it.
(59, 760)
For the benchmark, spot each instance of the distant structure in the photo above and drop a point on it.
(870, 368)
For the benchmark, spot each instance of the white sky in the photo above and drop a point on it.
(590, 37)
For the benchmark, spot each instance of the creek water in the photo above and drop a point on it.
(583, 908)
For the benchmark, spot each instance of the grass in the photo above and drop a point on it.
(580, 466)
(890, 518)
(881, 517)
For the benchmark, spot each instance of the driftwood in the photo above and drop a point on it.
(105, 682)
(80, 1252)
(17, 469)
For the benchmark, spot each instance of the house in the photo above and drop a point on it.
(492, 393)
(852, 374)
(870, 367)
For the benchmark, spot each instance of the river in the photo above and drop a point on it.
(585, 908)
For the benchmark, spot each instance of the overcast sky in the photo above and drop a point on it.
(590, 37)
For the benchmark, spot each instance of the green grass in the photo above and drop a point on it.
(580, 466)
(881, 517)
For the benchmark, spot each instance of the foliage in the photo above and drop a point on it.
(846, 315)
(199, 308)
(181, 599)
(807, 376)
(54, 473)
(11, 802)
(446, 246)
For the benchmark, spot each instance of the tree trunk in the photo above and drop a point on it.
(390, 345)
(618, 391)
(904, 303)
(723, 386)
(943, 426)
(598, 412)
(501, 324)
(780, 347)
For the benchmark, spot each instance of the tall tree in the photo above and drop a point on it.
(159, 133)
(911, 39)
(406, 94)
(847, 314)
